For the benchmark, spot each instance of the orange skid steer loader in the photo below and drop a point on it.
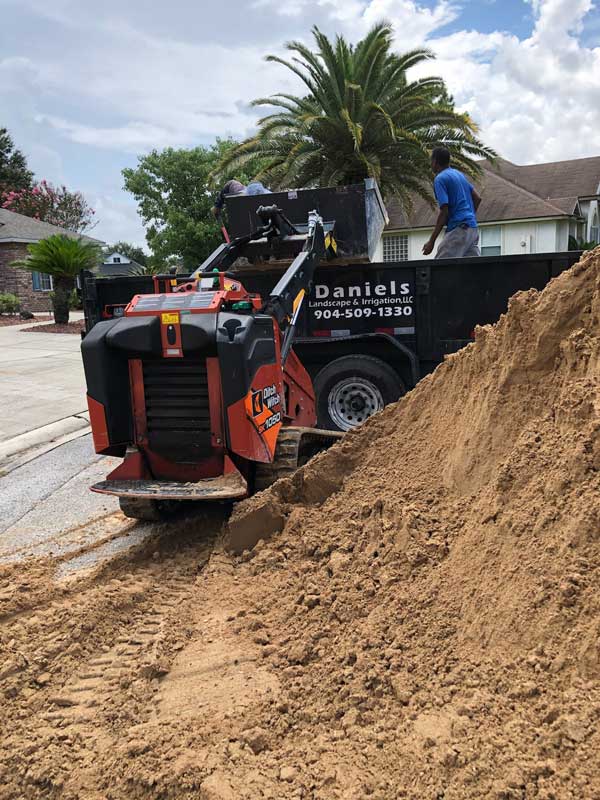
(198, 387)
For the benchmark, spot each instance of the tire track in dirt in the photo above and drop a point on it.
(78, 538)
(85, 658)
(137, 650)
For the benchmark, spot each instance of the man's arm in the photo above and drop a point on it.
(476, 198)
(441, 221)
(219, 203)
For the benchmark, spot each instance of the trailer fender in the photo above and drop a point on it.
(409, 354)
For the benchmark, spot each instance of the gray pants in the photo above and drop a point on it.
(459, 243)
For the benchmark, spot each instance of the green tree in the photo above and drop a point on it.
(360, 116)
(63, 257)
(130, 250)
(175, 191)
(14, 174)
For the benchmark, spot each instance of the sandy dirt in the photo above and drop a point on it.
(426, 625)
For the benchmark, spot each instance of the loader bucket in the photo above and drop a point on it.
(232, 486)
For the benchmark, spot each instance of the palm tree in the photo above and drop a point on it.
(63, 257)
(360, 117)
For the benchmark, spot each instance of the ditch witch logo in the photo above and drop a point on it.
(263, 407)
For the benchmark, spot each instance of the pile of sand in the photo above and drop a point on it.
(427, 625)
(443, 602)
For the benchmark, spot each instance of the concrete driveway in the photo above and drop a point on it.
(41, 379)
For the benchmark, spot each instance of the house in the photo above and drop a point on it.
(538, 208)
(16, 232)
(119, 264)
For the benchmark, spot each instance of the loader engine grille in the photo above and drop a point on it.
(177, 411)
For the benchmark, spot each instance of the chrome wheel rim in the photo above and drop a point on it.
(352, 401)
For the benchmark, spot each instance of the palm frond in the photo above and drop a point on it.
(360, 116)
(61, 256)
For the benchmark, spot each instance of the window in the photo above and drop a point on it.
(116, 260)
(42, 282)
(595, 229)
(395, 248)
(490, 240)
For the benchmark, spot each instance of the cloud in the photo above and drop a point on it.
(132, 137)
(353, 18)
(118, 218)
(413, 22)
(47, 161)
(132, 77)
(536, 99)
(167, 92)
(15, 73)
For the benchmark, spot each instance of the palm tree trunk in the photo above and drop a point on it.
(60, 299)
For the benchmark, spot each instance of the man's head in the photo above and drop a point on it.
(233, 187)
(440, 159)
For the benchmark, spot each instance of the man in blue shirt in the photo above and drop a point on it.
(458, 202)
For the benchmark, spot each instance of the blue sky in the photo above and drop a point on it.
(86, 88)
(486, 16)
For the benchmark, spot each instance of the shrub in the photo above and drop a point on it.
(63, 257)
(75, 301)
(9, 303)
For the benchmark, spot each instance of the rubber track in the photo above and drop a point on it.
(288, 454)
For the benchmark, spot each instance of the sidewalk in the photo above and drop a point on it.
(41, 378)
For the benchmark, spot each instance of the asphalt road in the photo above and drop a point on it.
(46, 507)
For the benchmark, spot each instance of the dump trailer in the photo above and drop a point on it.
(197, 386)
(368, 332)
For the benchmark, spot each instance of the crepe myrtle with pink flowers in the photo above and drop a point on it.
(53, 204)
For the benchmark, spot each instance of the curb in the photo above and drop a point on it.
(47, 434)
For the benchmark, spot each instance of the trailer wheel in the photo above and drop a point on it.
(351, 389)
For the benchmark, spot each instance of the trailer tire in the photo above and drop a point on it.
(352, 388)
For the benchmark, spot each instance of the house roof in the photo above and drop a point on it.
(123, 259)
(511, 192)
(558, 179)
(108, 258)
(124, 265)
(19, 228)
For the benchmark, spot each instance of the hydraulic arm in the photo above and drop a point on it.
(285, 301)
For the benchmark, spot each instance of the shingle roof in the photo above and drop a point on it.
(19, 228)
(576, 178)
(509, 191)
